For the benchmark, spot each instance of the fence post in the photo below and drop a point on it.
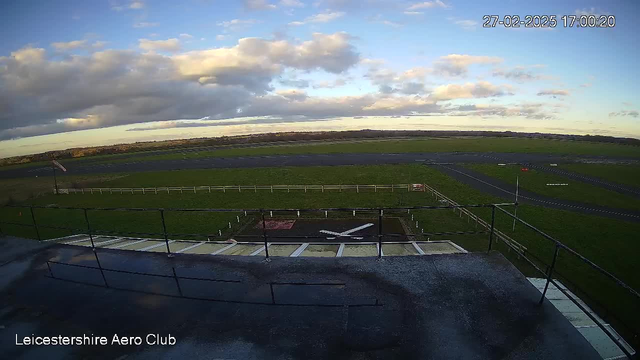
(379, 233)
(271, 188)
(264, 234)
(553, 264)
(86, 218)
(164, 231)
(33, 218)
(493, 221)
(177, 282)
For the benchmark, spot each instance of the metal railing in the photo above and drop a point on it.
(241, 188)
(380, 237)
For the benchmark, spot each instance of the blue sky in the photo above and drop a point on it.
(80, 73)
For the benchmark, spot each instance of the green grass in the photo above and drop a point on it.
(609, 243)
(623, 174)
(536, 181)
(479, 144)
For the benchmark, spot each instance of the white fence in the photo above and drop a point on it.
(241, 188)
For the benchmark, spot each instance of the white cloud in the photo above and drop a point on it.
(291, 3)
(481, 89)
(170, 45)
(520, 73)
(456, 64)
(553, 92)
(258, 5)
(186, 36)
(293, 94)
(71, 45)
(136, 5)
(145, 24)
(330, 84)
(220, 37)
(466, 24)
(427, 5)
(319, 18)
(413, 13)
(236, 24)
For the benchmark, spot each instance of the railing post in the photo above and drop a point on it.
(553, 264)
(493, 221)
(86, 218)
(35, 225)
(264, 234)
(164, 231)
(175, 277)
(379, 233)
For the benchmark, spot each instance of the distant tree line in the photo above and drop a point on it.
(292, 137)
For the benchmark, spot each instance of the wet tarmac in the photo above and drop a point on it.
(468, 306)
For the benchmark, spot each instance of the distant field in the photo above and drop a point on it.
(623, 174)
(536, 181)
(422, 145)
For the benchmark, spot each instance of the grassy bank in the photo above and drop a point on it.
(623, 174)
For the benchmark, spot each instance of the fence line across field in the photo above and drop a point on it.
(241, 188)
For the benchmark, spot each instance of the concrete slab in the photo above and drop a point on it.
(320, 251)
(206, 248)
(241, 249)
(281, 250)
(399, 250)
(476, 306)
(360, 250)
(438, 248)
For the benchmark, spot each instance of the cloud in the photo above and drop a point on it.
(389, 81)
(590, 11)
(481, 89)
(77, 45)
(142, 25)
(220, 37)
(413, 13)
(428, 5)
(186, 36)
(466, 24)
(586, 85)
(169, 45)
(136, 5)
(455, 64)
(319, 18)
(258, 5)
(71, 45)
(632, 113)
(236, 24)
(293, 94)
(42, 95)
(330, 84)
(291, 3)
(554, 92)
(519, 73)
(527, 110)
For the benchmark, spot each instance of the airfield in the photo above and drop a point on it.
(289, 206)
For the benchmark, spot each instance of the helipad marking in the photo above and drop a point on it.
(340, 250)
(259, 250)
(420, 251)
(127, 244)
(299, 250)
(346, 233)
(107, 242)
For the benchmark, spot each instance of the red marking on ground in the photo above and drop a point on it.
(524, 169)
(276, 224)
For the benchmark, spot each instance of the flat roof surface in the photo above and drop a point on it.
(467, 306)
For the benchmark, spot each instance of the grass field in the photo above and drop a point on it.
(536, 181)
(421, 145)
(623, 174)
(607, 242)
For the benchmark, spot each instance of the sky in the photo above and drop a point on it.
(87, 73)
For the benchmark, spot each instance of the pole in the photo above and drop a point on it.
(493, 220)
(515, 210)
(55, 179)
(379, 233)
(553, 264)
(264, 234)
(86, 218)
(33, 218)
(164, 230)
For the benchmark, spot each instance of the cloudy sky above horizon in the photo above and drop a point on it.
(78, 73)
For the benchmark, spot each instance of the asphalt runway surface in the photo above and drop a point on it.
(462, 306)
(499, 188)
(81, 168)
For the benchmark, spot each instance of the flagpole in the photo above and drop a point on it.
(515, 211)
(55, 180)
